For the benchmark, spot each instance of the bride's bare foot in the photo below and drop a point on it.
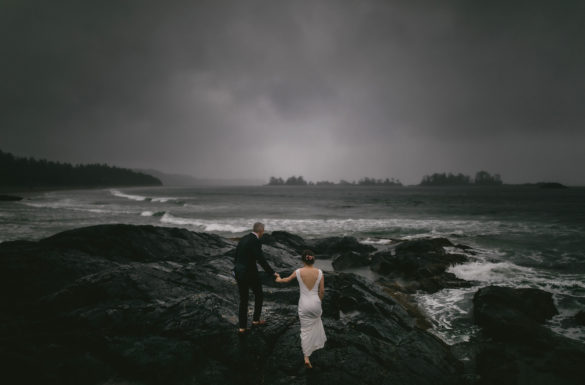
(308, 363)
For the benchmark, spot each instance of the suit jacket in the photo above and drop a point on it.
(248, 252)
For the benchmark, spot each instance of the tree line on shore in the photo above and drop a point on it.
(38, 173)
(482, 178)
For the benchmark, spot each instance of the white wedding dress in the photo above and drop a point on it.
(312, 332)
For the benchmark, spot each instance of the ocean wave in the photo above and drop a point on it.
(375, 241)
(120, 194)
(449, 311)
(204, 225)
(153, 213)
(414, 228)
(67, 204)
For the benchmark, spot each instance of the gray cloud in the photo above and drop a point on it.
(326, 89)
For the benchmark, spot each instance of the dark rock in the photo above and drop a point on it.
(381, 263)
(425, 246)
(512, 313)
(350, 259)
(515, 347)
(8, 198)
(423, 262)
(551, 185)
(580, 318)
(285, 239)
(337, 245)
(154, 305)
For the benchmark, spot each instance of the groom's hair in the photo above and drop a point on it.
(258, 226)
(306, 254)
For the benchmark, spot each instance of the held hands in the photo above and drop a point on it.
(277, 277)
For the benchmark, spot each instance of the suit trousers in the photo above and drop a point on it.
(245, 283)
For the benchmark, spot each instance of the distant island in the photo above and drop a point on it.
(547, 185)
(29, 173)
(300, 181)
(482, 178)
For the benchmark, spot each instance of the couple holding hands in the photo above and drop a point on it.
(311, 284)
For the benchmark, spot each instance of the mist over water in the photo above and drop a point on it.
(524, 237)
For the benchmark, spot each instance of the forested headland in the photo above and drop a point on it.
(30, 173)
(482, 178)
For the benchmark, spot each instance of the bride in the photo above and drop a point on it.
(310, 279)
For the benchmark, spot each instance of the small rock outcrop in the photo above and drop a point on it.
(420, 265)
(580, 318)
(337, 245)
(285, 239)
(515, 347)
(350, 259)
(512, 313)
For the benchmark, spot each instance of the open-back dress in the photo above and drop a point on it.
(312, 332)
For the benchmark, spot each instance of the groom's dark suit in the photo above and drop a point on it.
(248, 252)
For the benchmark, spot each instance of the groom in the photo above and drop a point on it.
(248, 252)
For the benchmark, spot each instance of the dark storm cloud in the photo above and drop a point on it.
(327, 89)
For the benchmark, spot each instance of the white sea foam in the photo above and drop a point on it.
(488, 272)
(205, 225)
(163, 199)
(133, 197)
(373, 241)
(341, 226)
(509, 274)
(120, 194)
(152, 213)
(449, 308)
(449, 311)
(67, 204)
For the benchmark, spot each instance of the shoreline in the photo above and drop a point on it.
(23, 191)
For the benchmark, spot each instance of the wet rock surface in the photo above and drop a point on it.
(579, 318)
(515, 347)
(419, 265)
(9, 198)
(331, 246)
(349, 260)
(131, 304)
(509, 313)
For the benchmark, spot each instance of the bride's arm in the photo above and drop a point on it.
(322, 288)
(287, 279)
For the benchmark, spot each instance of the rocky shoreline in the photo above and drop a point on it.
(127, 304)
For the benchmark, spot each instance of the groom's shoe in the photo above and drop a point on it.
(242, 331)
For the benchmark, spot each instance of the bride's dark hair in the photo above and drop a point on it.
(308, 257)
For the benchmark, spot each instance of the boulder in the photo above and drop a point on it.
(337, 245)
(515, 347)
(580, 318)
(157, 305)
(425, 246)
(512, 313)
(423, 262)
(350, 259)
(286, 240)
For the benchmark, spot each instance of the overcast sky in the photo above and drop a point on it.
(323, 89)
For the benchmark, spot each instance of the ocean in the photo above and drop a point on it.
(522, 236)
